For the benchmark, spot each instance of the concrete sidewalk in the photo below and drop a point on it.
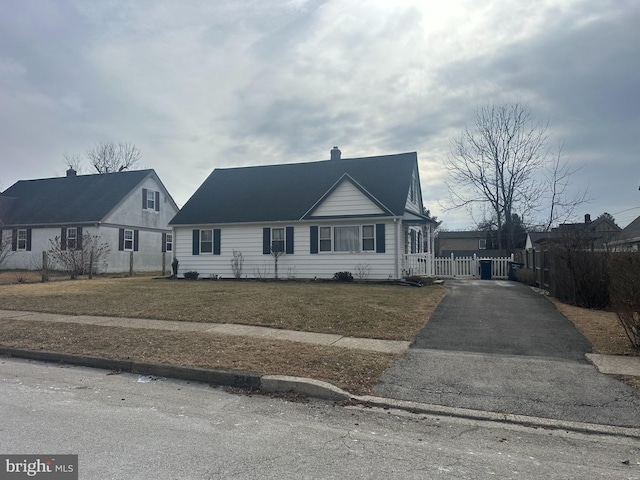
(370, 344)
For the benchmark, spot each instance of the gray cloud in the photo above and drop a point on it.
(198, 85)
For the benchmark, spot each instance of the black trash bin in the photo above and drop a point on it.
(512, 269)
(485, 269)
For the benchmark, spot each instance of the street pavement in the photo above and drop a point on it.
(147, 428)
(499, 346)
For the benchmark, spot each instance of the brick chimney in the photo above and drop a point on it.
(71, 172)
(587, 219)
(335, 153)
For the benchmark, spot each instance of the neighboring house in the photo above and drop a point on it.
(362, 215)
(629, 239)
(465, 244)
(598, 235)
(128, 210)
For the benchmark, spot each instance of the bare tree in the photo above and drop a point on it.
(83, 256)
(73, 162)
(561, 206)
(499, 164)
(5, 245)
(112, 157)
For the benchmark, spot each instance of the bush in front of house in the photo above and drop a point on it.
(624, 274)
(193, 275)
(343, 277)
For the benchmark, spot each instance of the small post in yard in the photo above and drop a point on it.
(45, 268)
(91, 265)
(131, 264)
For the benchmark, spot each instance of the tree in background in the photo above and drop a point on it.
(501, 163)
(73, 162)
(112, 157)
(106, 158)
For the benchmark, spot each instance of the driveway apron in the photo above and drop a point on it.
(499, 346)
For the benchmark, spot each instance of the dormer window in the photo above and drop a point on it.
(150, 200)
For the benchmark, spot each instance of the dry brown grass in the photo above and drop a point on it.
(600, 327)
(353, 370)
(359, 310)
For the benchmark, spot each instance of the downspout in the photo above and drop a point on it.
(398, 263)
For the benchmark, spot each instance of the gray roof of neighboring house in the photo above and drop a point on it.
(463, 234)
(632, 230)
(72, 199)
(535, 236)
(287, 192)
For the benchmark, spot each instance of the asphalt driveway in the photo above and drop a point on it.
(500, 346)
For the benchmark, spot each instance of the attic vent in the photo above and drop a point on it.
(335, 153)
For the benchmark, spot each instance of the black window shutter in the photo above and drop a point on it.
(164, 242)
(28, 239)
(144, 198)
(136, 239)
(196, 243)
(79, 238)
(216, 241)
(313, 233)
(157, 202)
(380, 247)
(63, 238)
(121, 239)
(14, 239)
(289, 240)
(266, 240)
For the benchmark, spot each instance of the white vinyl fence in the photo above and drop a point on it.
(454, 267)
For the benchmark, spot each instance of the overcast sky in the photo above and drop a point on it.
(198, 85)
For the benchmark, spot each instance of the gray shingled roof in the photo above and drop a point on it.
(75, 199)
(632, 230)
(286, 192)
(462, 234)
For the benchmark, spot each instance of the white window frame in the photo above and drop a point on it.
(324, 240)
(327, 240)
(72, 238)
(482, 244)
(346, 228)
(151, 200)
(371, 238)
(168, 243)
(128, 242)
(278, 234)
(21, 239)
(206, 241)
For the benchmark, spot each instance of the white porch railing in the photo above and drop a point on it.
(426, 264)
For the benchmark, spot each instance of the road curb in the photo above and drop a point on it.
(526, 421)
(310, 388)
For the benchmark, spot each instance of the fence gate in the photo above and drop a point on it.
(454, 267)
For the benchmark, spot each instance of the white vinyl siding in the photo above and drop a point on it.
(248, 239)
(346, 199)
